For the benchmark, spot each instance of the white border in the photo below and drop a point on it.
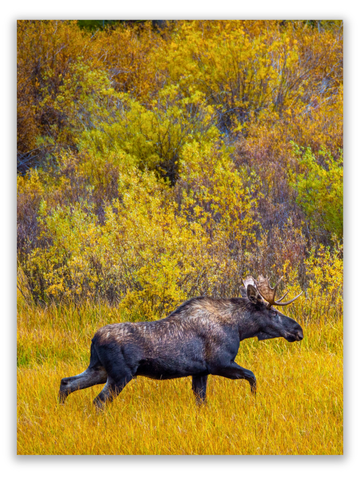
(176, 467)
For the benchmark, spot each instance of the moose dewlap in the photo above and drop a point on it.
(200, 338)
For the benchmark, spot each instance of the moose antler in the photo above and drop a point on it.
(249, 280)
(268, 293)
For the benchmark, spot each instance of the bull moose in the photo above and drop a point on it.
(200, 338)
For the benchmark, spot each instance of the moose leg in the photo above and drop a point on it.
(91, 376)
(110, 391)
(199, 383)
(235, 372)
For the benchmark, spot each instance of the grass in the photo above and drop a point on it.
(297, 411)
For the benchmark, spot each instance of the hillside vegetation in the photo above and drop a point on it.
(162, 161)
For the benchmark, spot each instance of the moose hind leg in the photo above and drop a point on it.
(91, 376)
(199, 384)
(110, 391)
(235, 372)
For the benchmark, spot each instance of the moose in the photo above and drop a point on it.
(200, 338)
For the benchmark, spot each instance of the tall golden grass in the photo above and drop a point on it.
(297, 411)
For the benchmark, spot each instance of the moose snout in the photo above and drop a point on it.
(299, 334)
(294, 335)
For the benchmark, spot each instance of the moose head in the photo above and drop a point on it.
(270, 322)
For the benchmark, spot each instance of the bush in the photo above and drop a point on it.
(160, 164)
(153, 249)
(318, 182)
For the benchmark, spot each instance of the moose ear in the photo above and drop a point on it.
(243, 292)
(252, 293)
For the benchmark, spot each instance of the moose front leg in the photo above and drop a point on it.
(235, 372)
(199, 383)
(110, 391)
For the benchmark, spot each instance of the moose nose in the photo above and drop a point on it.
(300, 335)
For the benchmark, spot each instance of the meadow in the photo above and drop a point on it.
(297, 410)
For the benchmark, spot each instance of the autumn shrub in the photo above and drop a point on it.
(325, 287)
(30, 191)
(230, 66)
(153, 249)
(278, 247)
(153, 136)
(223, 197)
(318, 182)
(268, 150)
(161, 164)
(104, 121)
(248, 68)
(46, 50)
(310, 115)
(126, 53)
(322, 284)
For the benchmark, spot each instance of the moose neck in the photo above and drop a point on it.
(248, 326)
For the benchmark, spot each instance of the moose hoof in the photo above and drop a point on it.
(62, 397)
(99, 405)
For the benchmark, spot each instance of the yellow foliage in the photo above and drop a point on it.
(151, 252)
(166, 156)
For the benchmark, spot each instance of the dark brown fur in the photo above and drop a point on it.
(199, 338)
